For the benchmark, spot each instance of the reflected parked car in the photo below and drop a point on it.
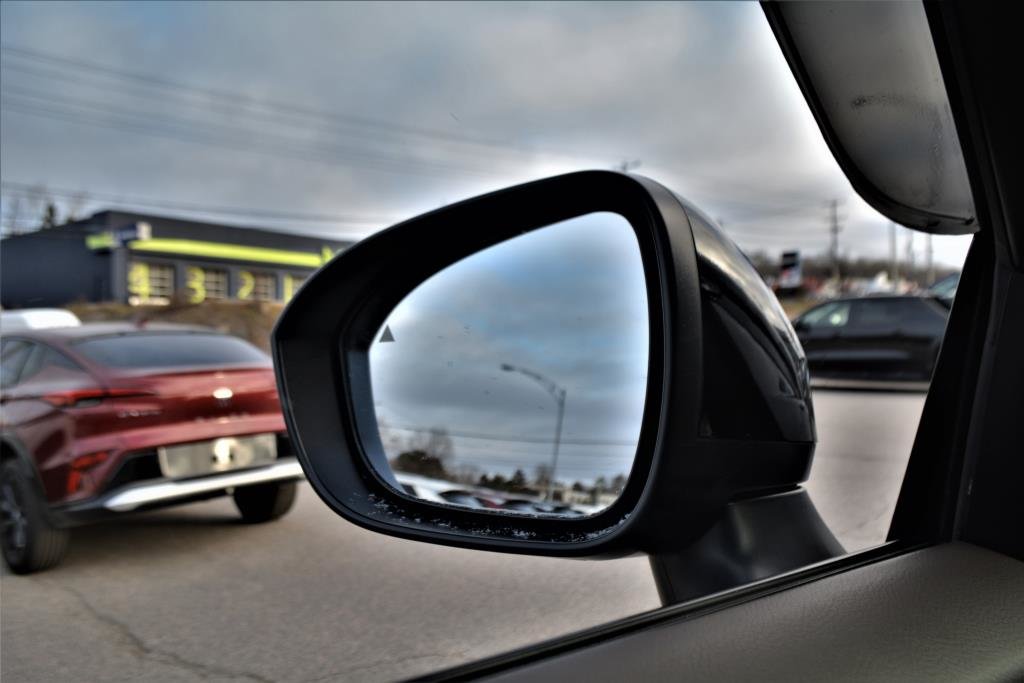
(422, 493)
(464, 498)
(557, 509)
(519, 505)
(102, 419)
(891, 338)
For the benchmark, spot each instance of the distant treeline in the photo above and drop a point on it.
(429, 464)
(820, 268)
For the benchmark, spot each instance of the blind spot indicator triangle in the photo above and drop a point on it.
(387, 336)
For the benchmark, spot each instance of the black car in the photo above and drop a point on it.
(873, 338)
(945, 289)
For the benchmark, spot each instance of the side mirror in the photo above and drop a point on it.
(578, 366)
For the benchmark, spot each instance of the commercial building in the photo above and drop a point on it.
(139, 259)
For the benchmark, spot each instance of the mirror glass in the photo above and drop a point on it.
(514, 380)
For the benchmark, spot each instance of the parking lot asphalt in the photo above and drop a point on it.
(192, 594)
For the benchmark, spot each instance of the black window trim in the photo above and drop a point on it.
(21, 368)
(40, 347)
(684, 611)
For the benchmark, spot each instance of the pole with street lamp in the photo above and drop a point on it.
(557, 393)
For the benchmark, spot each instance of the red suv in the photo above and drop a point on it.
(109, 418)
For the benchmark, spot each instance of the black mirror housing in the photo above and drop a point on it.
(692, 458)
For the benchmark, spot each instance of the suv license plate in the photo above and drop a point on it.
(219, 455)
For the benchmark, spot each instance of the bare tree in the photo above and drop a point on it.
(542, 476)
(13, 215)
(436, 442)
(37, 198)
(466, 473)
(74, 207)
(49, 216)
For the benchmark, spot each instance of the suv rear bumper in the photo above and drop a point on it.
(145, 494)
(161, 492)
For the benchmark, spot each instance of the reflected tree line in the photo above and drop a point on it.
(432, 454)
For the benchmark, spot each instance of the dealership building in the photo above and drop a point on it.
(144, 259)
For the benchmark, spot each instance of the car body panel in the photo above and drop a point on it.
(79, 447)
(881, 622)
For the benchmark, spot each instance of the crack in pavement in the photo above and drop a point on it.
(138, 647)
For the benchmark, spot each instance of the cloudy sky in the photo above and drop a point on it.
(339, 119)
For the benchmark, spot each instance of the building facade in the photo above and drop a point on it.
(147, 259)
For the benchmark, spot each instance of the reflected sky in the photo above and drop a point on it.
(568, 302)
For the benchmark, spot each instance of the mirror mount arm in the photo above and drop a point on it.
(755, 538)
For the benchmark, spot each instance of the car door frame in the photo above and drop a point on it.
(868, 341)
(959, 483)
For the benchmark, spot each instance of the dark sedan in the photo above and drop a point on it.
(889, 338)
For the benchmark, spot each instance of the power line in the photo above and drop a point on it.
(235, 100)
(791, 232)
(508, 437)
(27, 188)
(184, 130)
(261, 117)
(779, 212)
(156, 125)
(238, 99)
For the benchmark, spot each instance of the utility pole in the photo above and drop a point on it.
(929, 261)
(834, 241)
(910, 256)
(558, 394)
(894, 259)
(627, 165)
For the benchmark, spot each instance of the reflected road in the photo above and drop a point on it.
(191, 594)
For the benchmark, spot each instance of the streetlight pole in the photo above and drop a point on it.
(557, 393)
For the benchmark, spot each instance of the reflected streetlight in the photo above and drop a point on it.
(557, 393)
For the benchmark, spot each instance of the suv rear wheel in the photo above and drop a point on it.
(265, 502)
(29, 542)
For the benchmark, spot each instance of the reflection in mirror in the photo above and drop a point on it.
(515, 379)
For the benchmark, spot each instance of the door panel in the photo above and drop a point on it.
(892, 339)
(893, 620)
